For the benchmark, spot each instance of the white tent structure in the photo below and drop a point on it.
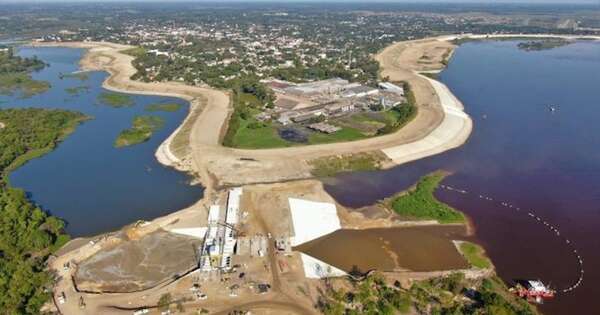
(312, 220)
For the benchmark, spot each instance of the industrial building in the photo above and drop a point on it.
(220, 238)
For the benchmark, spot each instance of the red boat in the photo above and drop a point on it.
(533, 291)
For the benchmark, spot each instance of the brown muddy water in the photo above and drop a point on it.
(418, 248)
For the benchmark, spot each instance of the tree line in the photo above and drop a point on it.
(11, 63)
(28, 234)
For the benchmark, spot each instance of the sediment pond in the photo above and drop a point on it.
(419, 248)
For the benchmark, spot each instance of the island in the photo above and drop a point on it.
(141, 130)
(544, 44)
(115, 100)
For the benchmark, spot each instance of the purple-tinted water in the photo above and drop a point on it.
(521, 153)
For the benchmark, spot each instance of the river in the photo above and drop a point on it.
(87, 182)
(523, 154)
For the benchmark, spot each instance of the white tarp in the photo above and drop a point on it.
(198, 232)
(312, 220)
(316, 269)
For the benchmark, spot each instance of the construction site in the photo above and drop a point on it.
(261, 245)
(240, 248)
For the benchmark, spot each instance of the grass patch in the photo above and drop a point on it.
(23, 83)
(475, 255)
(163, 107)
(115, 100)
(135, 51)
(141, 131)
(331, 165)
(419, 203)
(342, 135)
(248, 136)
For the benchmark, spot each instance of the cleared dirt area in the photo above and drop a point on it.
(136, 265)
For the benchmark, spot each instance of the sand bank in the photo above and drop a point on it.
(451, 133)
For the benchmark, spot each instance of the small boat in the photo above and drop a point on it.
(552, 108)
(534, 291)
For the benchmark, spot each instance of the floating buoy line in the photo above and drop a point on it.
(530, 213)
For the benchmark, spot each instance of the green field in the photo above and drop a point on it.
(116, 100)
(345, 134)
(22, 83)
(264, 137)
(163, 107)
(135, 51)
(475, 255)
(419, 203)
(141, 131)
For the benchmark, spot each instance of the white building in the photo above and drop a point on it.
(390, 87)
(220, 241)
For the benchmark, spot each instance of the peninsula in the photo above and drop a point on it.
(268, 179)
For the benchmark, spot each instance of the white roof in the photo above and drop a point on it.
(312, 220)
(213, 214)
(233, 205)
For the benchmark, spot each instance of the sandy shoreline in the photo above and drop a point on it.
(440, 125)
(230, 166)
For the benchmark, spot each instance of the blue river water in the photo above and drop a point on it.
(521, 153)
(93, 186)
